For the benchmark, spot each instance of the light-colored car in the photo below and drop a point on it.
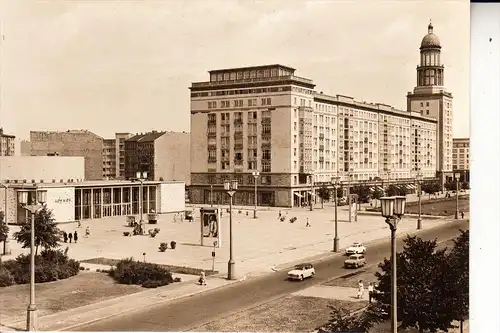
(301, 271)
(355, 248)
(355, 261)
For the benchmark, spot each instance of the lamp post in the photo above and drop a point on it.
(419, 189)
(211, 195)
(255, 175)
(349, 196)
(6, 242)
(312, 190)
(41, 196)
(393, 209)
(457, 177)
(231, 187)
(335, 182)
(141, 177)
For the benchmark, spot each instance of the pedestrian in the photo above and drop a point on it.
(65, 236)
(70, 236)
(75, 236)
(87, 231)
(307, 222)
(370, 292)
(462, 213)
(361, 289)
(79, 223)
(279, 214)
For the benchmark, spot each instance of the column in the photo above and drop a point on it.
(102, 201)
(92, 203)
(112, 201)
(81, 206)
(147, 199)
(122, 211)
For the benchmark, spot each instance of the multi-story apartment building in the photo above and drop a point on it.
(71, 143)
(109, 159)
(267, 119)
(163, 155)
(113, 163)
(461, 151)
(7, 144)
(120, 154)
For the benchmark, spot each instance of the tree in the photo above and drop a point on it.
(465, 186)
(425, 286)
(363, 193)
(459, 259)
(431, 188)
(340, 192)
(392, 190)
(324, 194)
(4, 229)
(451, 186)
(377, 194)
(47, 234)
(342, 320)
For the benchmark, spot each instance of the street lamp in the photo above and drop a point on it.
(393, 209)
(41, 198)
(335, 182)
(211, 195)
(141, 177)
(312, 190)
(457, 177)
(255, 175)
(231, 187)
(418, 177)
(349, 176)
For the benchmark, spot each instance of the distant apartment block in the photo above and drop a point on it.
(25, 148)
(109, 159)
(71, 143)
(7, 144)
(120, 153)
(164, 155)
(461, 157)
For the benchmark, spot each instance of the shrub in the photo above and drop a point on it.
(177, 279)
(50, 265)
(151, 284)
(6, 278)
(173, 244)
(129, 271)
(163, 247)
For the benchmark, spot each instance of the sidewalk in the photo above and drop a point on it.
(63, 321)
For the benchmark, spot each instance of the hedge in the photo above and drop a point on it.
(148, 275)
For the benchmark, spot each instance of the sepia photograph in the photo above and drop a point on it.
(235, 165)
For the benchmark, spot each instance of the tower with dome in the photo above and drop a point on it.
(430, 98)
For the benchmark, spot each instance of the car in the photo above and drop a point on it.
(355, 248)
(355, 261)
(301, 271)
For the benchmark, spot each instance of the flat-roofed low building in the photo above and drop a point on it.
(93, 200)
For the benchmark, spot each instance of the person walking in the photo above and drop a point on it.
(279, 215)
(370, 292)
(70, 236)
(75, 236)
(462, 213)
(87, 231)
(65, 236)
(307, 222)
(361, 289)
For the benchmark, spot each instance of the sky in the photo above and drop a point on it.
(126, 66)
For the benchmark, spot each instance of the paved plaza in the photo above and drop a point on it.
(259, 244)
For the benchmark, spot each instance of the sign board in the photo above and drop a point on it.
(210, 224)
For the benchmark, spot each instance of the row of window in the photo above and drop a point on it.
(239, 103)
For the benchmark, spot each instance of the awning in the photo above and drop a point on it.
(297, 194)
(411, 186)
(380, 188)
(372, 188)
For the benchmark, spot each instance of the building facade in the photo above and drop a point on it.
(96, 199)
(461, 158)
(120, 154)
(164, 155)
(267, 119)
(7, 144)
(71, 143)
(109, 159)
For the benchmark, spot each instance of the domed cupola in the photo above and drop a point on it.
(430, 40)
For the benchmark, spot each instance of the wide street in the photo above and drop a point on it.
(190, 312)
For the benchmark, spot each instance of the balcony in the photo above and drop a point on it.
(212, 134)
(238, 121)
(321, 147)
(266, 145)
(212, 160)
(266, 120)
(238, 145)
